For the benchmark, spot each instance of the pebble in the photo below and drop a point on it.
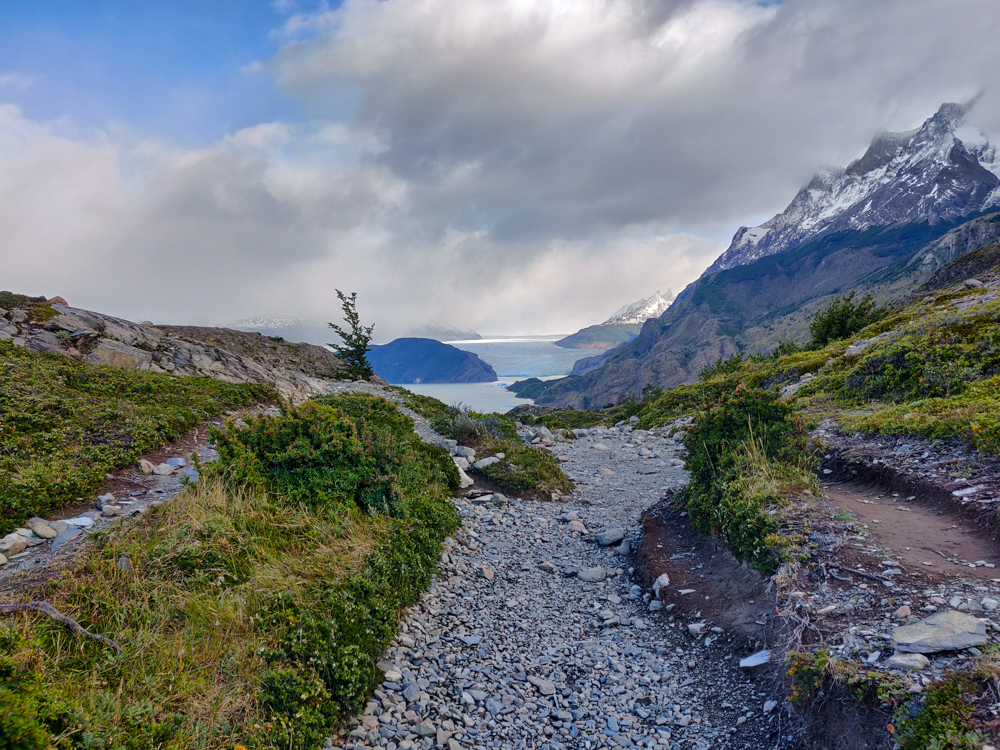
(535, 659)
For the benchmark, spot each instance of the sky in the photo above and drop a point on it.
(510, 166)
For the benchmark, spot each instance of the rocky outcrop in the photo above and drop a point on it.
(105, 340)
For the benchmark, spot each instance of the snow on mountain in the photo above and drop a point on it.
(940, 171)
(642, 310)
(268, 322)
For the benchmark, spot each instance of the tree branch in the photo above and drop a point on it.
(69, 622)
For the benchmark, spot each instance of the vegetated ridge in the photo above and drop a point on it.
(623, 326)
(914, 207)
(428, 361)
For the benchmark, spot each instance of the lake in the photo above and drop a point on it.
(514, 358)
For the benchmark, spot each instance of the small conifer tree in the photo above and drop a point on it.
(354, 349)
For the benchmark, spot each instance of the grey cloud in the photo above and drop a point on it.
(509, 166)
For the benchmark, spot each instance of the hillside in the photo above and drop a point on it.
(601, 337)
(428, 361)
(884, 224)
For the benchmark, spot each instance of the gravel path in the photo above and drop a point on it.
(512, 648)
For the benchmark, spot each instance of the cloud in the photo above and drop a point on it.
(506, 165)
(15, 81)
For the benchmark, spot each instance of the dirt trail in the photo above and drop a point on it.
(927, 540)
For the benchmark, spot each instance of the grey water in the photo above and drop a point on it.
(513, 358)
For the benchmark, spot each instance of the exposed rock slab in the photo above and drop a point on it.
(943, 631)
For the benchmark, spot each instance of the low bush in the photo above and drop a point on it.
(65, 424)
(252, 616)
(843, 318)
(943, 719)
(746, 456)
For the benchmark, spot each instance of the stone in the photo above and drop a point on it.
(908, 662)
(769, 706)
(44, 531)
(696, 628)
(109, 511)
(13, 544)
(990, 604)
(411, 692)
(577, 526)
(545, 687)
(592, 575)
(59, 526)
(660, 583)
(465, 452)
(972, 284)
(942, 631)
(485, 572)
(464, 480)
(655, 606)
(3, 560)
(462, 463)
(486, 462)
(612, 536)
(547, 567)
(178, 462)
(102, 499)
(146, 467)
(758, 659)
(163, 470)
(902, 613)
(80, 521)
(66, 536)
(425, 729)
(124, 564)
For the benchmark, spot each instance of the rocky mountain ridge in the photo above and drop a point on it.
(223, 354)
(641, 310)
(940, 171)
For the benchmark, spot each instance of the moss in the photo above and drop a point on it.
(944, 718)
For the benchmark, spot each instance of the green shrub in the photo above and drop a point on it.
(746, 456)
(844, 317)
(19, 728)
(722, 366)
(943, 720)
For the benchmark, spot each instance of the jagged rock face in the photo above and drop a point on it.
(106, 340)
(937, 172)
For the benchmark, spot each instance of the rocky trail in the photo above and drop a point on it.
(536, 633)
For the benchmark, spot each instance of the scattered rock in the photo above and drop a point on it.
(163, 470)
(547, 567)
(102, 499)
(612, 536)
(486, 462)
(758, 659)
(125, 563)
(577, 526)
(66, 536)
(943, 631)
(545, 687)
(145, 466)
(902, 613)
(592, 575)
(44, 531)
(660, 583)
(109, 511)
(485, 572)
(908, 662)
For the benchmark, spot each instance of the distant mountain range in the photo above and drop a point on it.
(623, 326)
(884, 224)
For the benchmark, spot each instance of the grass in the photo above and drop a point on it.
(65, 424)
(523, 470)
(249, 619)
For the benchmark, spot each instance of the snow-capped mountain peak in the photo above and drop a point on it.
(642, 310)
(940, 171)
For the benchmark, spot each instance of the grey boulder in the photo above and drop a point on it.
(908, 662)
(592, 575)
(943, 631)
(612, 536)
